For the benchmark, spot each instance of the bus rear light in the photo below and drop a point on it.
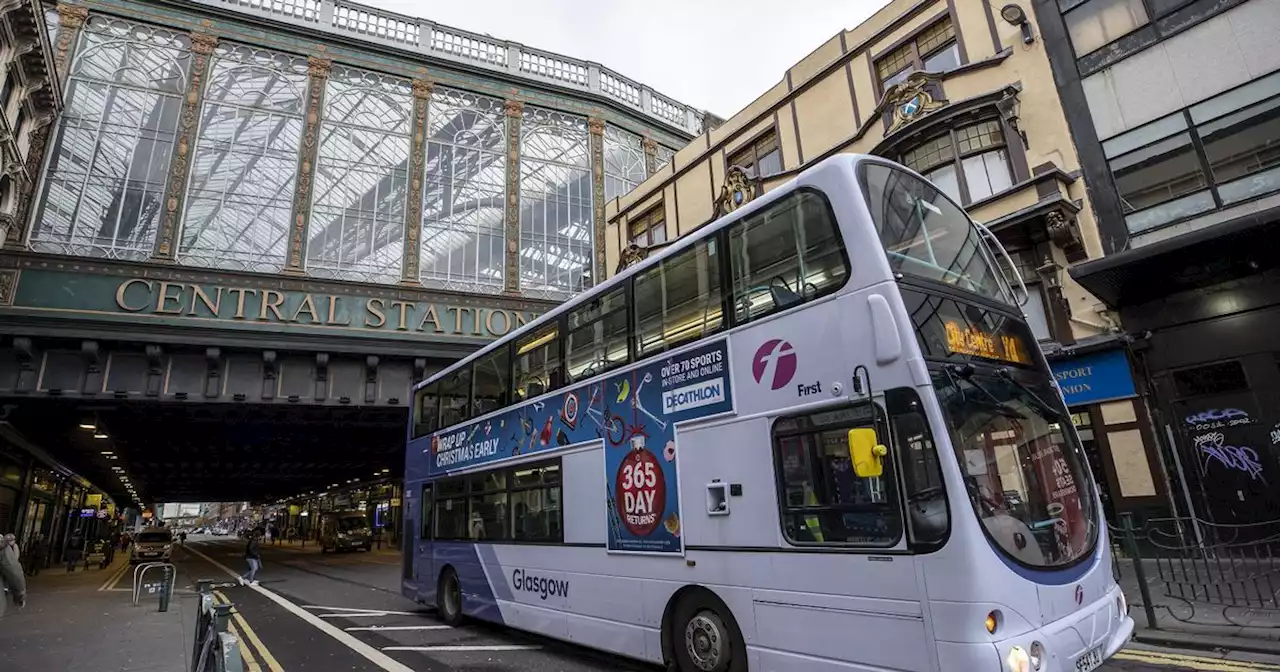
(993, 621)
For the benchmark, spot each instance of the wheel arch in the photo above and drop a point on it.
(692, 591)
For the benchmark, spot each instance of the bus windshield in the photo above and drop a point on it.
(1023, 473)
(926, 235)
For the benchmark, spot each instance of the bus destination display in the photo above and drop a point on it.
(976, 342)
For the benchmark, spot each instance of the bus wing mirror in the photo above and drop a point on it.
(866, 452)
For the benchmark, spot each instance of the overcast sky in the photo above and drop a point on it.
(716, 55)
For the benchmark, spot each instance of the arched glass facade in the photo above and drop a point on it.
(555, 203)
(241, 191)
(357, 215)
(105, 184)
(623, 162)
(252, 118)
(463, 211)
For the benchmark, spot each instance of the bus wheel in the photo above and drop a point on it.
(704, 641)
(449, 598)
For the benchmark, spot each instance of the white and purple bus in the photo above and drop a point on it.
(815, 434)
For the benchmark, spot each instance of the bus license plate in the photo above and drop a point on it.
(1091, 660)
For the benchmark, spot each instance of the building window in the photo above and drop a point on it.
(1217, 153)
(661, 157)
(623, 162)
(935, 49)
(10, 81)
(104, 187)
(464, 207)
(968, 163)
(556, 215)
(760, 157)
(650, 228)
(1100, 22)
(239, 212)
(356, 230)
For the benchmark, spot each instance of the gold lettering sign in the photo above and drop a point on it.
(179, 300)
(975, 342)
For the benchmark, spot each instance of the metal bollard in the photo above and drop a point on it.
(1131, 546)
(167, 591)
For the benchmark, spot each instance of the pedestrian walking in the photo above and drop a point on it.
(253, 557)
(74, 548)
(13, 580)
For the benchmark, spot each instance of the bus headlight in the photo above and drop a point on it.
(1036, 655)
(1018, 660)
(992, 622)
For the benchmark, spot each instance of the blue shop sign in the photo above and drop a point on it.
(1089, 379)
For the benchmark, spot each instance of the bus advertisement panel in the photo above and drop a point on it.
(634, 412)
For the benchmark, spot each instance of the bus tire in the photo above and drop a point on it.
(449, 598)
(704, 636)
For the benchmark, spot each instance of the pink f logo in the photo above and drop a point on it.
(775, 361)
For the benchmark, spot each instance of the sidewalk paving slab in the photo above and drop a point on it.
(69, 624)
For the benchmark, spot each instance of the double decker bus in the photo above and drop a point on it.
(816, 434)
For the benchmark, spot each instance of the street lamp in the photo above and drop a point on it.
(1008, 107)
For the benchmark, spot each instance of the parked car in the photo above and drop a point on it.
(344, 531)
(153, 545)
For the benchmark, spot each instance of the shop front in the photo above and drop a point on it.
(1110, 415)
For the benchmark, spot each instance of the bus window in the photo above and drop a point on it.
(427, 513)
(784, 256)
(492, 385)
(455, 397)
(928, 517)
(426, 410)
(597, 336)
(535, 504)
(678, 300)
(823, 501)
(537, 363)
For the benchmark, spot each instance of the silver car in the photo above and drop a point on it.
(152, 546)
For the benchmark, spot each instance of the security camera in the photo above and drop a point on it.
(1015, 16)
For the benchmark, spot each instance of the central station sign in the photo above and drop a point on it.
(391, 314)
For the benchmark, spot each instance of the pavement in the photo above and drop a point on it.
(334, 612)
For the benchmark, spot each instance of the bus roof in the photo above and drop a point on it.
(679, 244)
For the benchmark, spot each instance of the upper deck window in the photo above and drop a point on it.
(925, 234)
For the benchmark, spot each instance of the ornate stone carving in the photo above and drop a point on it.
(650, 155)
(411, 254)
(202, 46)
(35, 156)
(318, 69)
(515, 113)
(1062, 230)
(8, 286)
(595, 127)
(70, 19)
(738, 190)
(914, 98)
(631, 255)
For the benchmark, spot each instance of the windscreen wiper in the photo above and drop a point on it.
(1007, 375)
(965, 372)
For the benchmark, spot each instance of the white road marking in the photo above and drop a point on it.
(496, 647)
(371, 614)
(376, 628)
(351, 609)
(371, 654)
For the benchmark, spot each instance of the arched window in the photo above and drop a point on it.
(556, 216)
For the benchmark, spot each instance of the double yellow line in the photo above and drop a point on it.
(114, 578)
(246, 637)
(1193, 662)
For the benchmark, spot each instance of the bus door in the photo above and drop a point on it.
(422, 547)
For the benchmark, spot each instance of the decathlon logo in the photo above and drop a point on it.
(539, 585)
(693, 396)
(774, 362)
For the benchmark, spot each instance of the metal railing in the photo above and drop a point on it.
(1194, 571)
(164, 588)
(340, 17)
(214, 649)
